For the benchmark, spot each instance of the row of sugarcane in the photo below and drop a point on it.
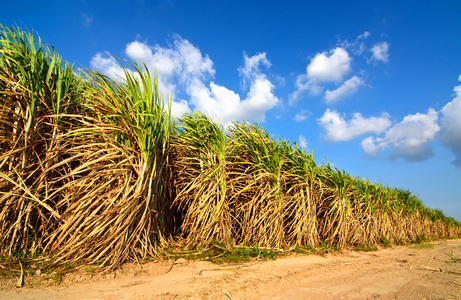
(246, 188)
(94, 170)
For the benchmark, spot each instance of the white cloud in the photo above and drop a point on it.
(251, 67)
(408, 139)
(107, 65)
(346, 89)
(332, 66)
(324, 67)
(303, 84)
(303, 142)
(339, 130)
(302, 116)
(179, 64)
(380, 52)
(139, 51)
(450, 125)
(181, 67)
(225, 106)
(110, 67)
(364, 35)
(179, 108)
(193, 64)
(371, 146)
(358, 46)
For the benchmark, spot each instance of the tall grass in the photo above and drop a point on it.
(303, 194)
(118, 202)
(202, 179)
(37, 89)
(94, 170)
(260, 204)
(83, 163)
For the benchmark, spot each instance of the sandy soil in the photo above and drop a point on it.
(404, 272)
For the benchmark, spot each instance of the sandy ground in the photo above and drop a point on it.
(404, 272)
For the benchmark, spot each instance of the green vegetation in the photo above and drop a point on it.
(95, 171)
(424, 246)
(453, 258)
(57, 278)
(216, 253)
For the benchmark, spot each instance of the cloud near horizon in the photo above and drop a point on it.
(303, 142)
(410, 139)
(182, 68)
(450, 125)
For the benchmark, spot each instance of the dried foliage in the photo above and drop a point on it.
(93, 170)
(83, 162)
(202, 180)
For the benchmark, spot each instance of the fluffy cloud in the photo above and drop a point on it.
(110, 67)
(337, 129)
(251, 67)
(324, 67)
(329, 68)
(380, 52)
(347, 88)
(179, 64)
(332, 66)
(181, 67)
(408, 139)
(226, 106)
(107, 65)
(302, 116)
(179, 108)
(450, 123)
(371, 146)
(303, 85)
(303, 142)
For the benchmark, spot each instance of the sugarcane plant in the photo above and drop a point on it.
(202, 177)
(94, 170)
(37, 88)
(119, 203)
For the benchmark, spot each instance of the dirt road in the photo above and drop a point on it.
(404, 272)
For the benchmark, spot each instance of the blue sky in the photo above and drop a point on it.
(374, 87)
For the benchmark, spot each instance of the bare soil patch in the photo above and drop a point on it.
(401, 272)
